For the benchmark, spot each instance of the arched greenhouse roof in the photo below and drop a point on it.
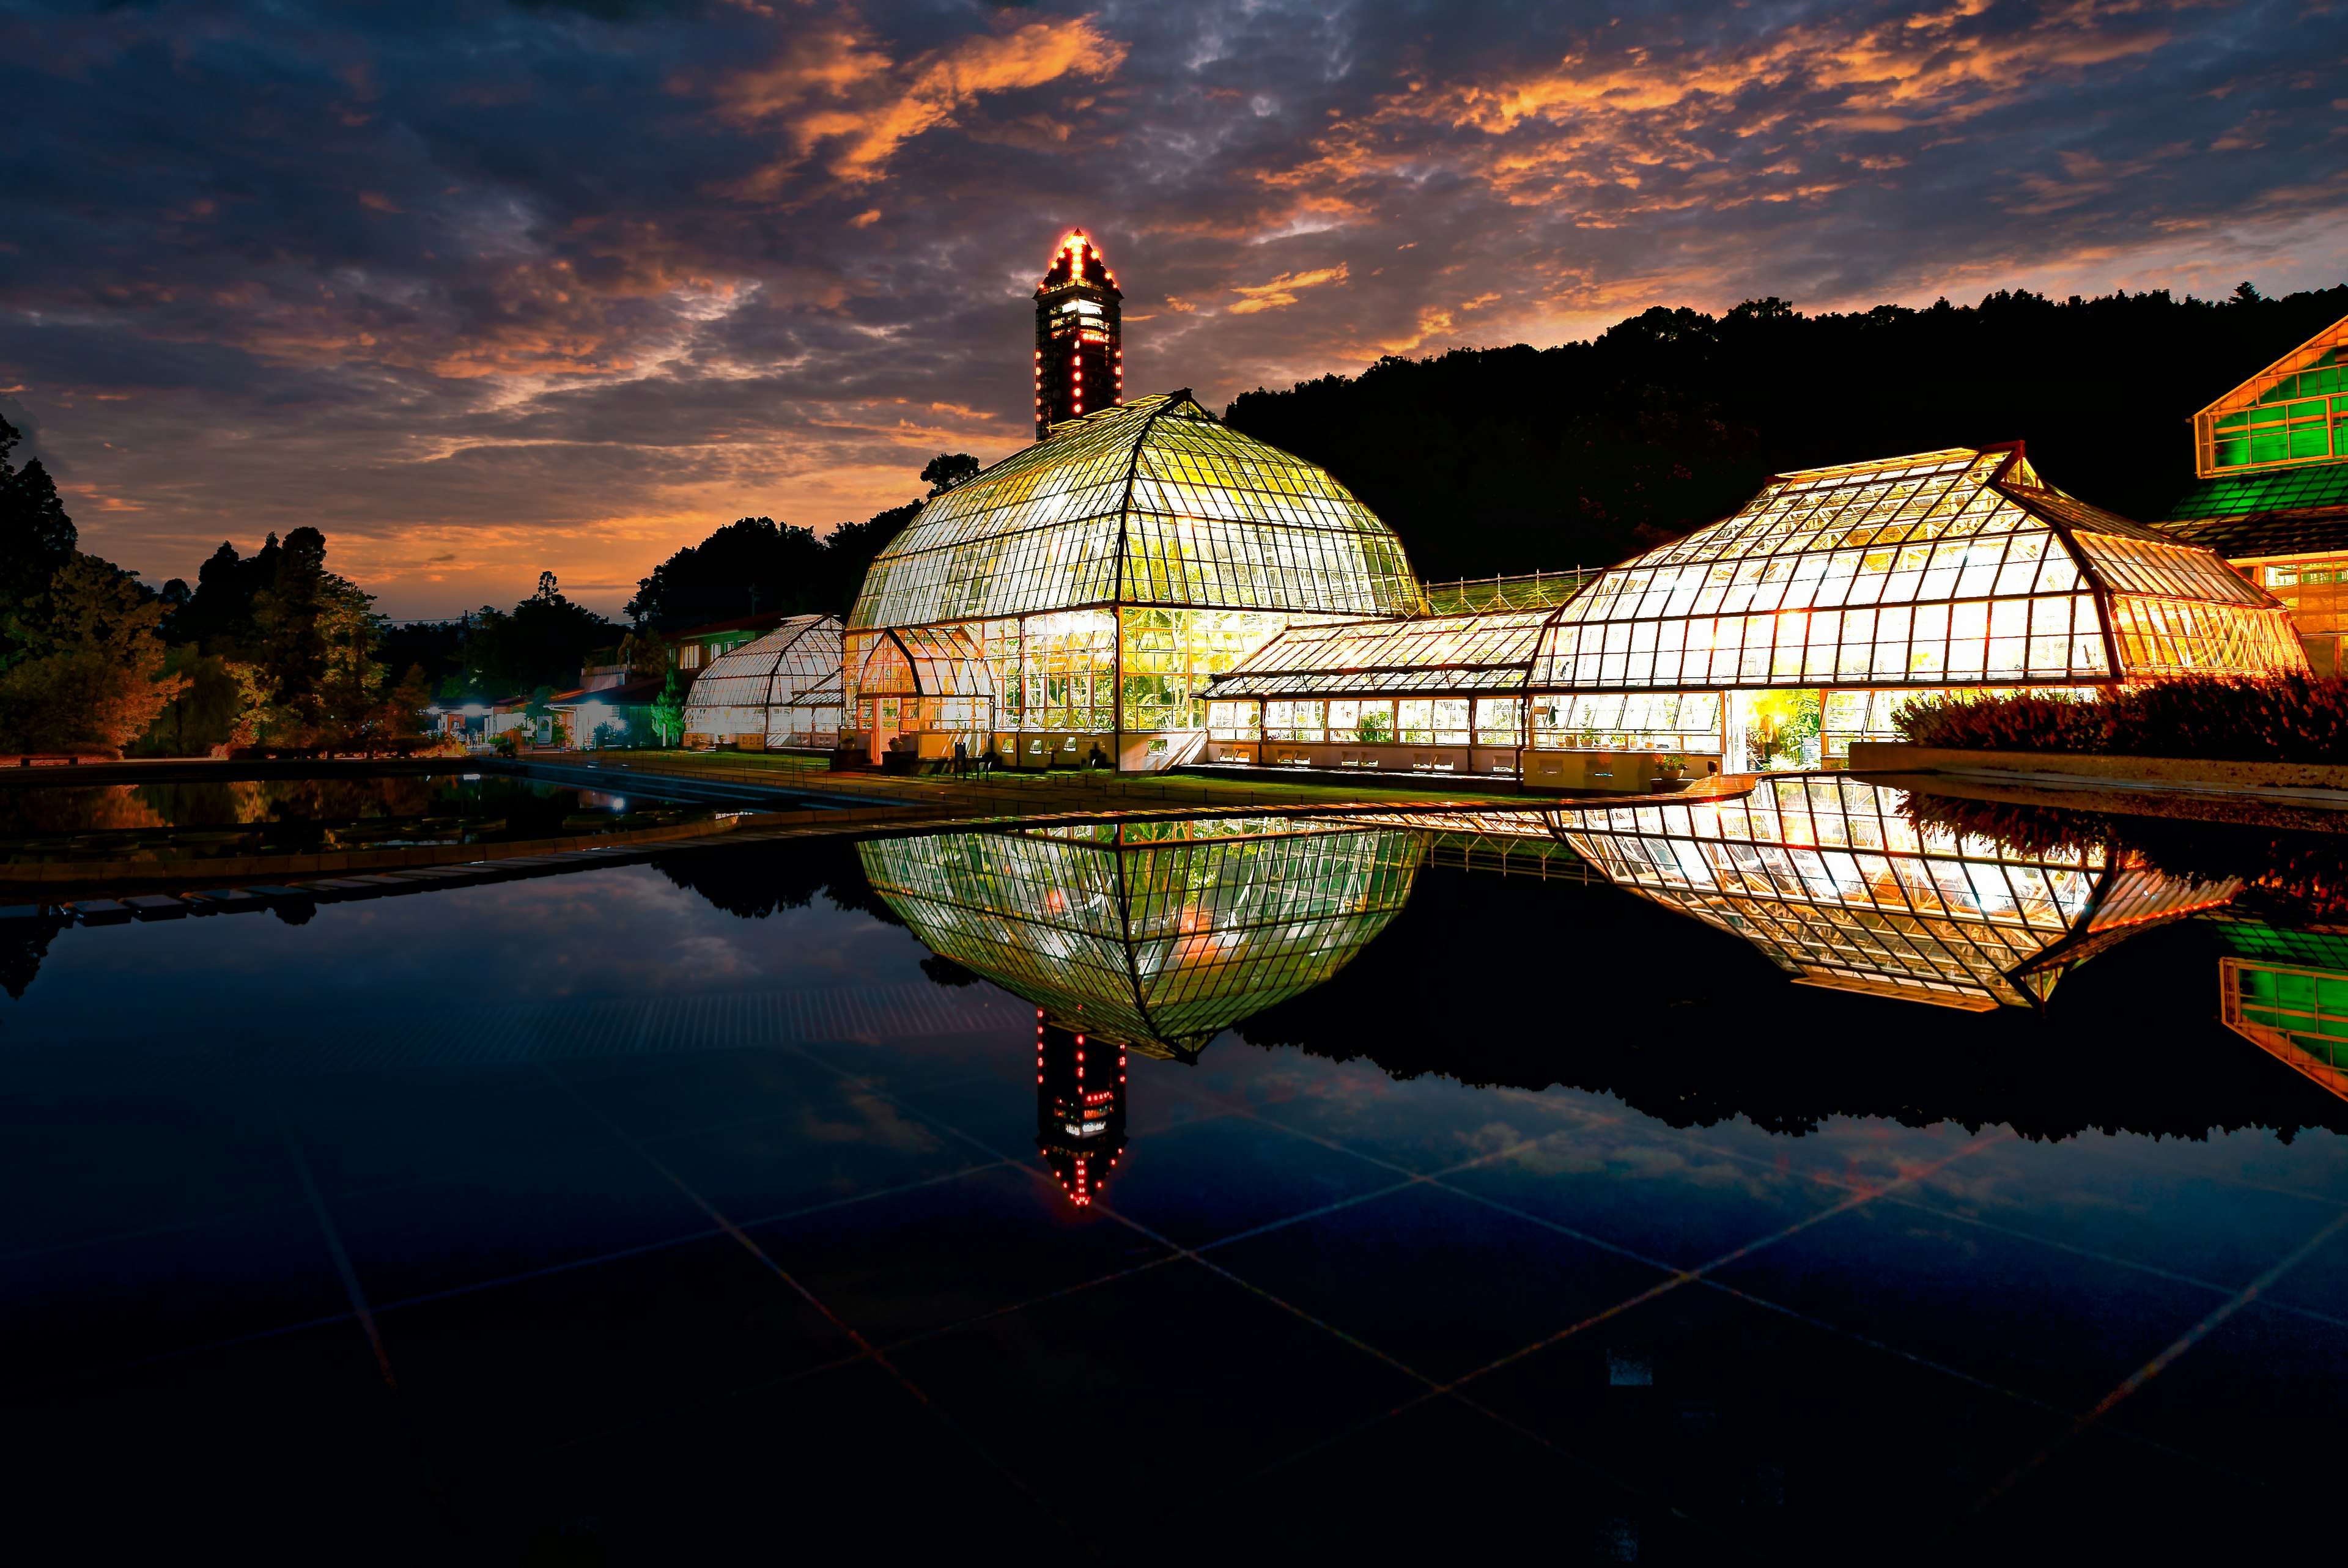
(785, 683)
(1152, 502)
(1952, 567)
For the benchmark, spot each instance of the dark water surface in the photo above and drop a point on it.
(60, 822)
(698, 1212)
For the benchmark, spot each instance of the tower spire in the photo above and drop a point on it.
(1079, 363)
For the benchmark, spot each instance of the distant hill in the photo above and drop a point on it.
(1517, 459)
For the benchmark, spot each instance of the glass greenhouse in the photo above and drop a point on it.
(1082, 592)
(1827, 877)
(779, 689)
(1948, 568)
(1423, 693)
(1154, 936)
(2286, 991)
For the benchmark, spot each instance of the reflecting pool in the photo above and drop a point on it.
(185, 819)
(1227, 1185)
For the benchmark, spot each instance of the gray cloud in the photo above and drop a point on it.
(482, 288)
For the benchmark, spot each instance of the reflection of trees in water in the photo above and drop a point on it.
(23, 945)
(1511, 982)
(2307, 870)
(297, 814)
(98, 808)
(755, 881)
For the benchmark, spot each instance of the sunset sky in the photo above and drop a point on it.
(483, 289)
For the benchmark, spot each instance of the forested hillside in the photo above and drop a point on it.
(1521, 459)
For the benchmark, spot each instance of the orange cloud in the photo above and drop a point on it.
(835, 88)
(1281, 290)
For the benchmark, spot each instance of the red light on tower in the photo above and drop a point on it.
(1076, 321)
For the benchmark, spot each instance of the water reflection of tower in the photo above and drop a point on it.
(1079, 1107)
(1142, 936)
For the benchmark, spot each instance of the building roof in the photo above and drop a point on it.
(1152, 502)
(627, 693)
(2299, 510)
(1155, 937)
(1828, 878)
(2294, 410)
(1957, 566)
(1492, 652)
(797, 665)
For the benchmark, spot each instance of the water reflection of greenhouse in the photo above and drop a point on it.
(1156, 936)
(1827, 876)
(1153, 938)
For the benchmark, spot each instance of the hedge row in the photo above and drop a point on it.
(2284, 719)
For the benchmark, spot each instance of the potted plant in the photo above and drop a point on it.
(1669, 766)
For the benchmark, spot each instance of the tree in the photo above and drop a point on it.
(400, 714)
(750, 566)
(668, 711)
(948, 469)
(851, 549)
(540, 643)
(90, 677)
(1521, 459)
(37, 536)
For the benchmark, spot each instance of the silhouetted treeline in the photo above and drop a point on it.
(1521, 459)
(1508, 981)
(757, 880)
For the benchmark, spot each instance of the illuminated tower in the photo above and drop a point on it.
(1079, 1107)
(1079, 366)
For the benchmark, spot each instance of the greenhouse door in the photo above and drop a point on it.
(877, 717)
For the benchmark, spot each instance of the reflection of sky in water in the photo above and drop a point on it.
(1665, 1326)
(625, 931)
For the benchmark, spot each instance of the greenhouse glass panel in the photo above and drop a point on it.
(1154, 936)
(1827, 877)
(1678, 722)
(1957, 568)
(1149, 502)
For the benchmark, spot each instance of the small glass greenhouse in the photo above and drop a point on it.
(779, 689)
(1084, 590)
(1426, 692)
(1155, 937)
(1827, 877)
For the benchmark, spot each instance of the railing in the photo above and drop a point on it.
(1536, 590)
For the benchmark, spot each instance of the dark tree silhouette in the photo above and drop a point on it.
(37, 535)
(948, 469)
(1521, 459)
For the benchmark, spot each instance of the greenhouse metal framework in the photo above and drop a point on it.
(1347, 694)
(1827, 877)
(779, 690)
(2272, 495)
(1945, 570)
(1151, 937)
(1082, 592)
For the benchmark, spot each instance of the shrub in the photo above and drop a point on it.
(2284, 719)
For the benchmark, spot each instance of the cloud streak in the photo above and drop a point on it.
(483, 288)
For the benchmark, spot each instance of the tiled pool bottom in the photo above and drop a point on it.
(725, 1300)
(743, 1249)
